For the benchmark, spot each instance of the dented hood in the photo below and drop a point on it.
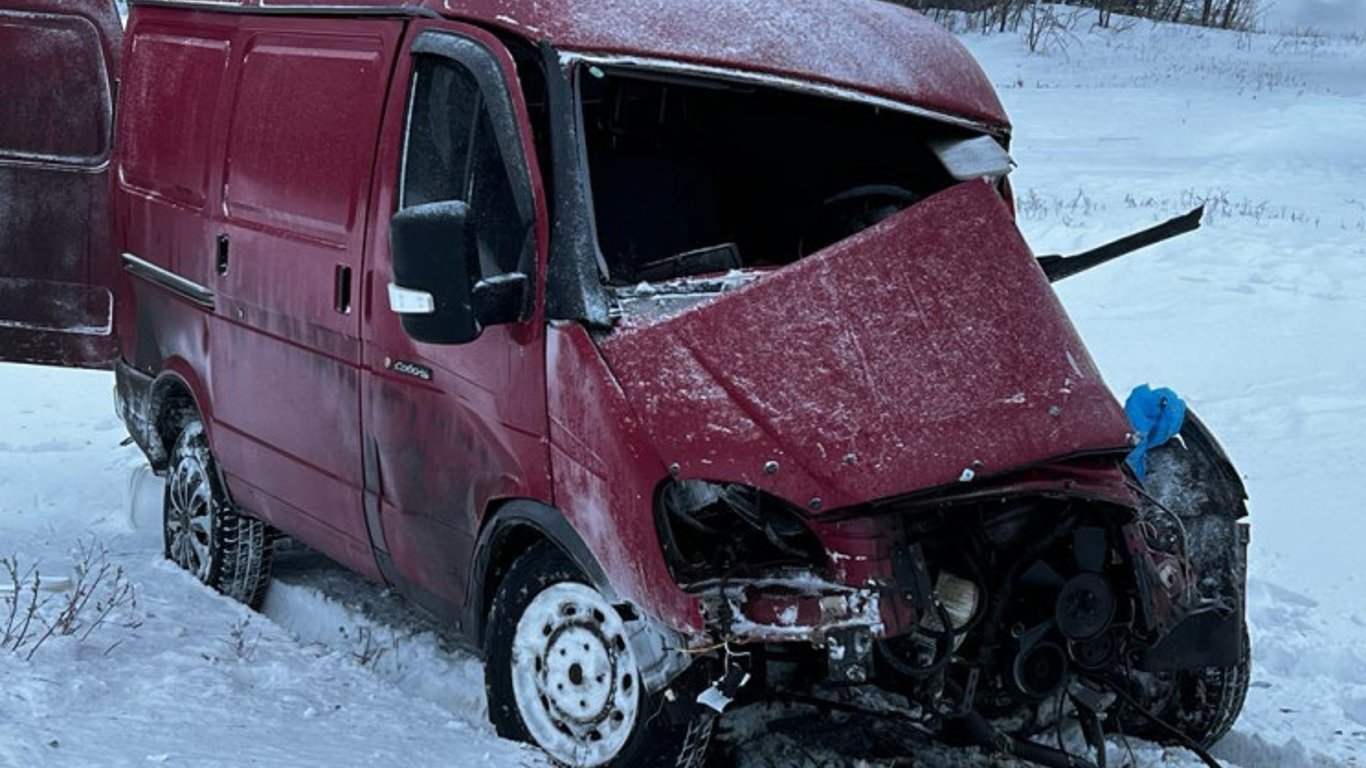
(926, 351)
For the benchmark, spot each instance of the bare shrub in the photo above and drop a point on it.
(1048, 27)
(241, 644)
(369, 650)
(22, 605)
(1070, 211)
(99, 594)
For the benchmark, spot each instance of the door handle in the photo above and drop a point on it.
(220, 255)
(341, 290)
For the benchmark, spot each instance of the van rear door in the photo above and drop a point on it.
(58, 65)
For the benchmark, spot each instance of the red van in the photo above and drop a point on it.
(673, 353)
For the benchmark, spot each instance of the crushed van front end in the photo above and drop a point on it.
(892, 464)
(982, 615)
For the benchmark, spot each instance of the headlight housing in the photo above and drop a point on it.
(714, 530)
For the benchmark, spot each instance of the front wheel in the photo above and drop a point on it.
(560, 672)
(201, 529)
(1194, 479)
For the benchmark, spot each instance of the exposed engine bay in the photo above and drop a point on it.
(988, 621)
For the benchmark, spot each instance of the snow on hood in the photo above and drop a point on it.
(928, 350)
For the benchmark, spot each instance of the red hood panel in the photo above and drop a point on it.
(888, 363)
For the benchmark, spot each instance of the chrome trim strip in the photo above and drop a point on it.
(777, 81)
(17, 161)
(169, 280)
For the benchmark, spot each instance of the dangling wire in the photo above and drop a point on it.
(1180, 527)
(1176, 733)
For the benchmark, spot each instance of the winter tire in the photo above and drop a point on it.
(1193, 478)
(560, 673)
(203, 533)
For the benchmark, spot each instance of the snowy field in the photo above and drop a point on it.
(1259, 319)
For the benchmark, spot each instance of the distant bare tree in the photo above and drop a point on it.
(1104, 9)
(1010, 15)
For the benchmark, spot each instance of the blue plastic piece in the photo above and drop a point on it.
(1156, 415)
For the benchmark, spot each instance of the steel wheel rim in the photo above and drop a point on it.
(189, 517)
(573, 676)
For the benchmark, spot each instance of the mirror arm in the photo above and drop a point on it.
(502, 299)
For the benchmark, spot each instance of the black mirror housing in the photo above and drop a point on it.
(502, 299)
(436, 266)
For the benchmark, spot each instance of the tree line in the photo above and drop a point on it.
(1011, 14)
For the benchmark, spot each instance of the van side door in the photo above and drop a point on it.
(58, 64)
(285, 348)
(453, 429)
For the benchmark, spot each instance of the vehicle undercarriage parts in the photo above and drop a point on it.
(1040, 666)
(707, 707)
(849, 654)
(978, 730)
(960, 598)
(658, 650)
(710, 529)
(1085, 606)
(791, 607)
(1193, 494)
(947, 613)
(1030, 606)
(1163, 730)
(1024, 611)
(1057, 267)
(721, 694)
(1210, 636)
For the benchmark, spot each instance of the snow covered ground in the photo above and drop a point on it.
(1259, 320)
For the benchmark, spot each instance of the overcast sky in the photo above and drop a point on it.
(1327, 15)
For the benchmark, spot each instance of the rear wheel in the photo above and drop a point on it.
(561, 675)
(202, 531)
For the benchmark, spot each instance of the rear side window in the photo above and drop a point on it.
(452, 152)
(167, 121)
(59, 109)
(303, 132)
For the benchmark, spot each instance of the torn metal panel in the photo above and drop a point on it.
(789, 607)
(926, 351)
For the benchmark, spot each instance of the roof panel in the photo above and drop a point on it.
(871, 46)
(868, 45)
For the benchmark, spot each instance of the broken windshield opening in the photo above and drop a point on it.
(700, 177)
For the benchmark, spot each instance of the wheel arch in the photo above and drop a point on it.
(1204, 441)
(174, 392)
(510, 529)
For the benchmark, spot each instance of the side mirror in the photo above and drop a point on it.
(436, 288)
(436, 264)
